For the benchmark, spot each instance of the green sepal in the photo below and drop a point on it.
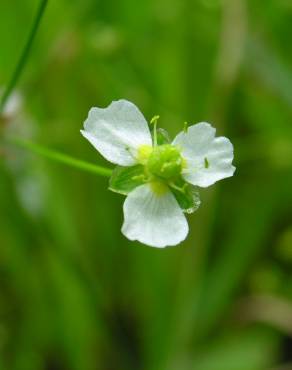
(126, 179)
(187, 196)
(162, 136)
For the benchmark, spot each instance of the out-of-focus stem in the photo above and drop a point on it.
(24, 55)
(61, 157)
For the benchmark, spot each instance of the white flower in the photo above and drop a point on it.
(152, 212)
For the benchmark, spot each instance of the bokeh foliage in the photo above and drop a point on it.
(74, 293)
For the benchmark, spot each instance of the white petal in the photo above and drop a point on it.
(117, 131)
(208, 159)
(155, 220)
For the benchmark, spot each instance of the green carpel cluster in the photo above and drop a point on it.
(165, 162)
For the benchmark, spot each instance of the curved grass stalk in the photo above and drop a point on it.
(24, 55)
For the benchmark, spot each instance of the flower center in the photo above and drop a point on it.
(144, 153)
(165, 161)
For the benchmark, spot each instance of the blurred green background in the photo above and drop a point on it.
(74, 293)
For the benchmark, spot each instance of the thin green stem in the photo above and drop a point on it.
(24, 55)
(154, 123)
(155, 134)
(61, 158)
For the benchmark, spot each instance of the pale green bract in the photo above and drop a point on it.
(159, 177)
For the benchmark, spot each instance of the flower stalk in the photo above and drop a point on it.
(61, 157)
